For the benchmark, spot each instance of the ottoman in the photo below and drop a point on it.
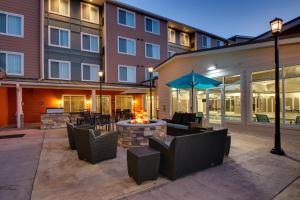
(143, 163)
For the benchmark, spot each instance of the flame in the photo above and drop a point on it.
(140, 118)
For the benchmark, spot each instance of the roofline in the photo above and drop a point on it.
(229, 48)
(268, 32)
(241, 36)
(151, 14)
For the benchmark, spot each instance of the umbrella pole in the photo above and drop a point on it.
(192, 98)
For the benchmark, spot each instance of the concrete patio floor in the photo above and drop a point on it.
(250, 172)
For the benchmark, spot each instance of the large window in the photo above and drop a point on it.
(206, 41)
(215, 106)
(126, 18)
(89, 42)
(124, 102)
(185, 39)
(59, 69)
(59, 37)
(126, 46)
(180, 100)
(89, 72)
(73, 103)
(89, 13)
(292, 95)
(220, 43)
(232, 98)
(152, 51)
(201, 102)
(11, 24)
(152, 25)
(171, 35)
(12, 63)
(127, 73)
(263, 96)
(61, 7)
(106, 104)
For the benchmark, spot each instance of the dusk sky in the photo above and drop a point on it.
(223, 17)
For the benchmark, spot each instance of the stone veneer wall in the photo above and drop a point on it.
(138, 136)
(54, 120)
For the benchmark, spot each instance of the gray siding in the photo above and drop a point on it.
(76, 26)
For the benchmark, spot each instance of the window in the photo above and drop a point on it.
(124, 102)
(180, 100)
(147, 74)
(59, 69)
(185, 39)
(206, 41)
(89, 42)
(106, 104)
(220, 43)
(172, 35)
(11, 24)
(127, 73)
(73, 103)
(152, 25)
(61, 7)
(126, 18)
(12, 63)
(59, 37)
(232, 98)
(89, 72)
(126, 46)
(171, 53)
(89, 13)
(152, 51)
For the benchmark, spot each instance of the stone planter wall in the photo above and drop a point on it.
(54, 120)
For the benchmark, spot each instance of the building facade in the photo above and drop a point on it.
(247, 92)
(52, 50)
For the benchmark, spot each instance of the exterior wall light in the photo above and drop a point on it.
(211, 68)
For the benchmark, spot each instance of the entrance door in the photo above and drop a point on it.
(215, 106)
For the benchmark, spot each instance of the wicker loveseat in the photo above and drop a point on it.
(190, 153)
(180, 124)
(94, 148)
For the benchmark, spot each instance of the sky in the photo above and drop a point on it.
(225, 18)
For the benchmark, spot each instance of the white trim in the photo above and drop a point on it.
(22, 62)
(152, 45)
(63, 29)
(82, 49)
(90, 65)
(90, 5)
(127, 66)
(152, 19)
(58, 13)
(59, 61)
(22, 24)
(130, 39)
(134, 21)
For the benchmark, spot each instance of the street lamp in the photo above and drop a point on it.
(151, 74)
(100, 73)
(276, 26)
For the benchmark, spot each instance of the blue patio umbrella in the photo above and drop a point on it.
(193, 80)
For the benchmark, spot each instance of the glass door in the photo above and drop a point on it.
(215, 106)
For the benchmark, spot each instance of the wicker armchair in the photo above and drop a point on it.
(94, 148)
(71, 133)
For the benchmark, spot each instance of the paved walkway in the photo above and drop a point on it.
(250, 172)
(18, 163)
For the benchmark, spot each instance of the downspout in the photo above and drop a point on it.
(42, 52)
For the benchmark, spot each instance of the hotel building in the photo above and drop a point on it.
(51, 52)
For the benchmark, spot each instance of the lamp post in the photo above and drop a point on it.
(151, 74)
(276, 26)
(100, 73)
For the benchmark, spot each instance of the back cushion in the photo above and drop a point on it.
(177, 118)
(188, 117)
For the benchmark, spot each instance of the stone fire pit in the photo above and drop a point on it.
(137, 134)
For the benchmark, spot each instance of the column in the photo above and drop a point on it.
(19, 106)
(94, 101)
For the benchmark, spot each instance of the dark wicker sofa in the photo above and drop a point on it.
(190, 153)
(180, 124)
(94, 148)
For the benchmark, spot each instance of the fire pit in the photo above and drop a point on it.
(137, 132)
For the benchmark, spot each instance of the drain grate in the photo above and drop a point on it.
(11, 136)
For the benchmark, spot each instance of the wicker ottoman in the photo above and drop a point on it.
(143, 163)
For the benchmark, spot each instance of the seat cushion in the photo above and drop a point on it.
(178, 126)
